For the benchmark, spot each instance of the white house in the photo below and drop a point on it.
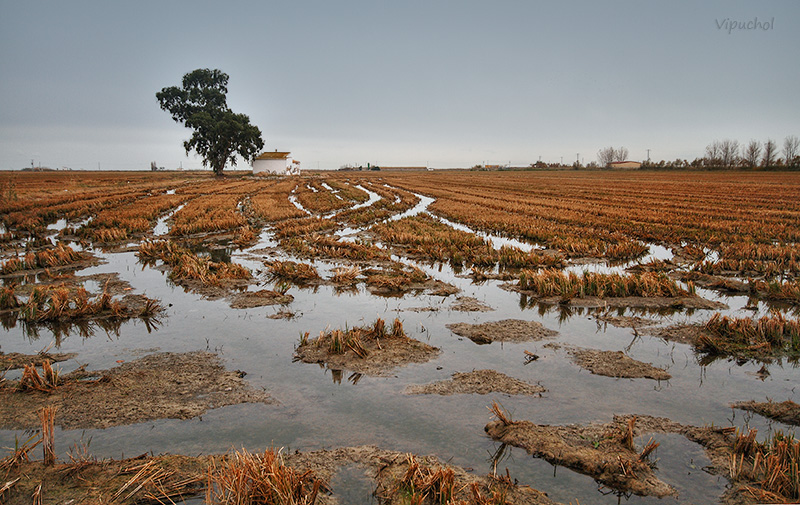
(275, 163)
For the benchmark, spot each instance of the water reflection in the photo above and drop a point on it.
(567, 311)
(337, 375)
(84, 328)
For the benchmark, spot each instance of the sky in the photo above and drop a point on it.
(441, 83)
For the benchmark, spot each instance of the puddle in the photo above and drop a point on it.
(373, 197)
(58, 225)
(161, 228)
(293, 200)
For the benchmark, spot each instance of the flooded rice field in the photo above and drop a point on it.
(461, 276)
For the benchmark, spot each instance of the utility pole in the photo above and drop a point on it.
(648, 155)
(562, 161)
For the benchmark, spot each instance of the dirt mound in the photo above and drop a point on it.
(477, 382)
(614, 364)
(469, 304)
(606, 451)
(372, 350)
(787, 412)
(597, 450)
(261, 298)
(507, 330)
(158, 386)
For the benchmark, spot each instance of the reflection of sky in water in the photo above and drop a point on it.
(315, 411)
(161, 227)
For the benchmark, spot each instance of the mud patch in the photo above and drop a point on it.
(159, 386)
(469, 304)
(614, 364)
(283, 314)
(15, 360)
(261, 298)
(480, 382)
(371, 351)
(627, 321)
(507, 330)
(606, 451)
(682, 333)
(596, 450)
(787, 412)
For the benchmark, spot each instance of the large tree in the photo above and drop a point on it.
(219, 133)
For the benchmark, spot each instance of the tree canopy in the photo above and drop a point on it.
(219, 133)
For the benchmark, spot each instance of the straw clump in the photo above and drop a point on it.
(551, 282)
(62, 303)
(342, 341)
(245, 478)
(60, 255)
(188, 266)
(769, 470)
(292, 271)
(769, 335)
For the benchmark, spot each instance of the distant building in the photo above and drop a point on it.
(276, 163)
(625, 164)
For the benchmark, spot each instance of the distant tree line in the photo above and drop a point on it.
(730, 154)
(720, 154)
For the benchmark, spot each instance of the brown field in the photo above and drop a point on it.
(717, 252)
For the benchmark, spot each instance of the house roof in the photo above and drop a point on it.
(273, 155)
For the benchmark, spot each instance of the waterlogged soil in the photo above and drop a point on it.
(627, 321)
(261, 298)
(433, 287)
(149, 479)
(479, 382)
(613, 364)
(507, 330)
(681, 333)
(787, 412)
(15, 360)
(158, 386)
(598, 450)
(469, 304)
(383, 355)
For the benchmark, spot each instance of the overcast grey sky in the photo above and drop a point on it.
(447, 83)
